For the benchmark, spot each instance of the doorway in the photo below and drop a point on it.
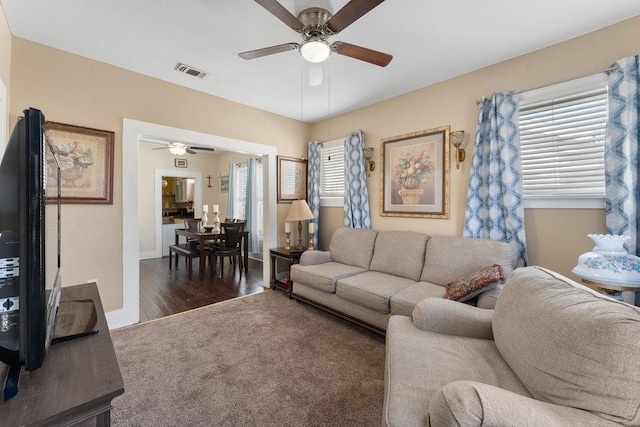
(132, 132)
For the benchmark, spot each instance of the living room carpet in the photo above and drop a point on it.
(259, 360)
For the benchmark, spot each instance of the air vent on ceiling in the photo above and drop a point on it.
(183, 68)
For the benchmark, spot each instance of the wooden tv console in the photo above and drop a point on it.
(76, 383)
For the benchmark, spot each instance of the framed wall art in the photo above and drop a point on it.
(224, 184)
(181, 163)
(292, 179)
(86, 163)
(415, 174)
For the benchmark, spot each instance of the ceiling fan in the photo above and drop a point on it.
(178, 148)
(316, 25)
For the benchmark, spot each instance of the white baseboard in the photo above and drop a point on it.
(147, 254)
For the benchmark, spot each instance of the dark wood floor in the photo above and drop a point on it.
(164, 292)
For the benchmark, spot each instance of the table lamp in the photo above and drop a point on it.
(299, 212)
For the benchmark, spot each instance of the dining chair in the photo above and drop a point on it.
(230, 247)
(242, 222)
(192, 224)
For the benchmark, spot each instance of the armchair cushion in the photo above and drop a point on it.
(452, 318)
(419, 363)
(570, 345)
(470, 403)
(474, 284)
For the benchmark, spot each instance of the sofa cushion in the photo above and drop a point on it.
(403, 302)
(419, 363)
(475, 283)
(371, 289)
(400, 253)
(450, 258)
(322, 277)
(353, 246)
(570, 345)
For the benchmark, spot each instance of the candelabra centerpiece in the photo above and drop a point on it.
(216, 219)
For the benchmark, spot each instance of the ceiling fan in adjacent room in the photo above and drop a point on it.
(178, 148)
(316, 25)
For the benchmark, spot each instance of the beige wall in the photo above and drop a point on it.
(75, 90)
(150, 160)
(555, 238)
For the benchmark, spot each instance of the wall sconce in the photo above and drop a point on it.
(368, 155)
(456, 139)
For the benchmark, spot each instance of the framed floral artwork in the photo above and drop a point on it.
(86, 163)
(415, 174)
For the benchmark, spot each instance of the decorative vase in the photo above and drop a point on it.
(609, 262)
(411, 196)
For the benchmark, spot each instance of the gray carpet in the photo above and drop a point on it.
(260, 360)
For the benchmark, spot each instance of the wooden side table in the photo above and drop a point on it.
(292, 256)
(611, 290)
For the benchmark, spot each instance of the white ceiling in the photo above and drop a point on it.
(430, 41)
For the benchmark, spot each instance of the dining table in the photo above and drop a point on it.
(204, 236)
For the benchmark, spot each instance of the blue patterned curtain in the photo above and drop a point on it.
(233, 178)
(494, 199)
(356, 196)
(621, 160)
(313, 186)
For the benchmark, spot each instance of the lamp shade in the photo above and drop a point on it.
(299, 211)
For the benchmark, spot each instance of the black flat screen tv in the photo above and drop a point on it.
(29, 245)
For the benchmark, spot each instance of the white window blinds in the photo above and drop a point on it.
(332, 169)
(562, 134)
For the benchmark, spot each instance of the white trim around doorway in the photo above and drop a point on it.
(132, 132)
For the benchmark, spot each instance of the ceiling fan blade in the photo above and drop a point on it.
(190, 151)
(203, 148)
(252, 54)
(362, 53)
(161, 148)
(350, 13)
(279, 11)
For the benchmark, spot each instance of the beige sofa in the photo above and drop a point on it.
(552, 353)
(368, 276)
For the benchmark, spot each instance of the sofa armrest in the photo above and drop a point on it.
(469, 403)
(453, 318)
(315, 257)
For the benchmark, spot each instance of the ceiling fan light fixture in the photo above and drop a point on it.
(315, 50)
(178, 149)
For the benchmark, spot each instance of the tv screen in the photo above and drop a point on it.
(29, 243)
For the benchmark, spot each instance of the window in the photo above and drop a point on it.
(332, 173)
(562, 134)
(240, 201)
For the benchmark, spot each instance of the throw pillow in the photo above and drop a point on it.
(474, 284)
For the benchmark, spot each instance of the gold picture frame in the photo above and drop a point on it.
(86, 163)
(415, 174)
(292, 179)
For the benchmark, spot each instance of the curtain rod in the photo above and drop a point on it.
(606, 70)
